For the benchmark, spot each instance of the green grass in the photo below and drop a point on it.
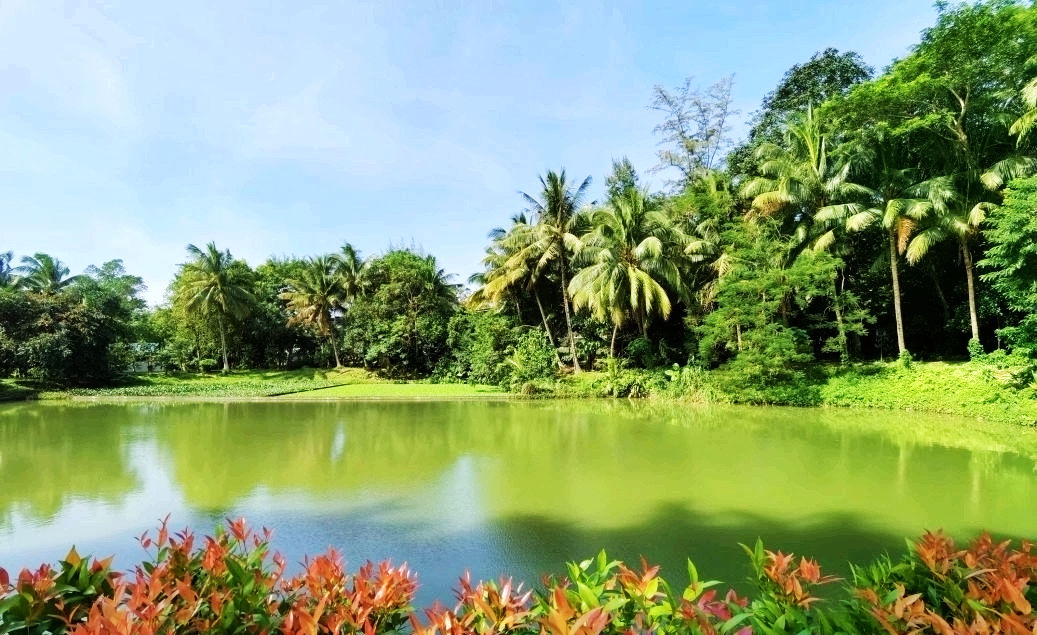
(306, 383)
(974, 389)
(10, 390)
(218, 385)
(992, 390)
(414, 390)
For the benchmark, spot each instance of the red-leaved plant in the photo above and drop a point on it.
(231, 582)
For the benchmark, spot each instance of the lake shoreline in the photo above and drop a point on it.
(971, 389)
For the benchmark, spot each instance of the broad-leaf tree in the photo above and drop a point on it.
(826, 75)
(1010, 265)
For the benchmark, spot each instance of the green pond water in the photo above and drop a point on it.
(507, 486)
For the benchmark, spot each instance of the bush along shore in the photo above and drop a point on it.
(996, 386)
(231, 582)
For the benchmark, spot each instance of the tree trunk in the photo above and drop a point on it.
(568, 319)
(223, 343)
(547, 327)
(970, 278)
(612, 347)
(939, 293)
(844, 351)
(893, 256)
(334, 347)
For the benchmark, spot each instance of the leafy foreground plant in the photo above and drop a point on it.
(231, 583)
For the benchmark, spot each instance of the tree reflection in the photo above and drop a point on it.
(50, 455)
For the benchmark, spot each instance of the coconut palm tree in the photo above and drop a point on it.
(554, 235)
(43, 273)
(8, 279)
(1026, 122)
(499, 285)
(314, 296)
(810, 182)
(898, 203)
(351, 269)
(802, 177)
(436, 283)
(959, 220)
(632, 267)
(509, 275)
(211, 288)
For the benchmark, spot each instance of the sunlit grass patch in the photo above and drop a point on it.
(400, 390)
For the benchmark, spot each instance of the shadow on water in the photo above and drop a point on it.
(530, 546)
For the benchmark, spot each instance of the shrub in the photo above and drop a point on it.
(477, 345)
(975, 348)
(48, 600)
(532, 359)
(231, 583)
(990, 587)
(905, 359)
(640, 352)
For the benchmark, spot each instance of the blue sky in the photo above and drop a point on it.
(129, 129)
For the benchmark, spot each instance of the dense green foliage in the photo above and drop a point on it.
(233, 583)
(399, 324)
(69, 330)
(848, 227)
(1011, 260)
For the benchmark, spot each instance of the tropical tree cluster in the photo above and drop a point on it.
(865, 217)
(389, 312)
(67, 328)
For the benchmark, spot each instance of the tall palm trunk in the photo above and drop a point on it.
(547, 327)
(893, 256)
(612, 347)
(334, 346)
(568, 319)
(837, 301)
(223, 343)
(970, 278)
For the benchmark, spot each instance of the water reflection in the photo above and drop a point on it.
(508, 486)
(49, 458)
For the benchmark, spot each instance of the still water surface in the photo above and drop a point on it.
(507, 486)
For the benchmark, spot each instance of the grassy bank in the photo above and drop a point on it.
(307, 383)
(410, 390)
(990, 389)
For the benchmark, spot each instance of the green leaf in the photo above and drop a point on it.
(587, 595)
(732, 623)
(236, 571)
